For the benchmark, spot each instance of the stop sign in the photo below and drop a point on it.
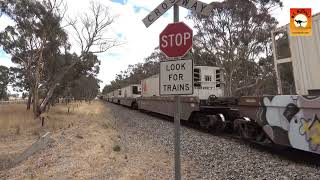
(176, 39)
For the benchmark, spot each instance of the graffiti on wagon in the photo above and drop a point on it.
(292, 120)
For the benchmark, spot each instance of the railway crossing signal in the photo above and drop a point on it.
(196, 6)
(193, 5)
(176, 40)
(158, 11)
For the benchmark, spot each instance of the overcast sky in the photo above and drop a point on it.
(139, 40)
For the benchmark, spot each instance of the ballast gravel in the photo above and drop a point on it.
(206, 156)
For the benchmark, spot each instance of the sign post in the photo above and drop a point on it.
(177, 161)
(176, 76)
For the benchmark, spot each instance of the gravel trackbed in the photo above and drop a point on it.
(205, 156)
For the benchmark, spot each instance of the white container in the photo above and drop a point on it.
(117, 93)
(131, 91)
(150, 86)
(305, 59)
(208, 81)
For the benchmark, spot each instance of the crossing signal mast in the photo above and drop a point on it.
(175, 42)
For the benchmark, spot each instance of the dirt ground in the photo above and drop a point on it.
(87, 146)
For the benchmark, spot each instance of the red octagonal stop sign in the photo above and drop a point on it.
(176, 39)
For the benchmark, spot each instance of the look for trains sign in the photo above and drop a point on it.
(176, 77)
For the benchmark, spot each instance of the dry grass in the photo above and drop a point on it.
(16, 120)
(14, 117)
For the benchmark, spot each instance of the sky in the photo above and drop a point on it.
(139, 41)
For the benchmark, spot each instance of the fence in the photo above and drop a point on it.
(14, 102)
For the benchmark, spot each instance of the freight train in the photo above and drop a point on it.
(287, 120)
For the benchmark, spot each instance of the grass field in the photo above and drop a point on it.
(16, 120)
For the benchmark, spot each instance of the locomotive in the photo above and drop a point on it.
(291, 120)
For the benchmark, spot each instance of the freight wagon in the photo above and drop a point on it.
(127, 96)
(208, 86)
(198, 107)
(114, 96)
(207, 81)
(291, 120)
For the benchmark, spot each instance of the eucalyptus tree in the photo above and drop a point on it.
(85, 88)
(235, 36)
(39, 45)
(91, 39)
(4, 81)
(36, 31)
(136, 72)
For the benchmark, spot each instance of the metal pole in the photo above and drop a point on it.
(177, 139)
(175, 13)
(177, 117)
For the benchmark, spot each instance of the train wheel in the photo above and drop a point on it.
(243, 131)
(217, 123)
(204, 122)
(261, 137)
(212, 123)
(241, 127)
(134, 106)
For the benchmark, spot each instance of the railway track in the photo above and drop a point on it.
(267, 146)
(213, 156)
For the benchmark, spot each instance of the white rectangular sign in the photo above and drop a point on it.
(157, 12)
(196, 6)
(176, 77)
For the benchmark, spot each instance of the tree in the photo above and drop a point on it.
(135, 73)
(4, 81)
(85, 88)
(235, 37)
(90, 36)
(36, 29)
(21, 83)
(39, 46)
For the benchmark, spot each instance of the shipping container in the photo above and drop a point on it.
(150, 86)
(116, 94)
(130, 93)
(297, 60)
(208, 80)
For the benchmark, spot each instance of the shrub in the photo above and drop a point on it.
(116, 148)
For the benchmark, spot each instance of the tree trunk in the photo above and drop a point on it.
(48, 107)
(228, 87)
(36, 92)
(35, 99)
(36, 110)
(29, 100)
(53, 87)
(46, 99)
